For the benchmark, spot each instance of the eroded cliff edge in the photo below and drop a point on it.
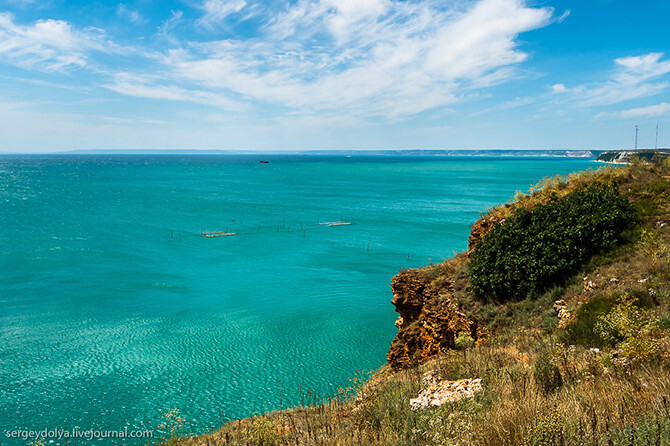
(516, 251)
(430, 317)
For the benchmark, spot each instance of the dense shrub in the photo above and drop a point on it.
(539, 248)
(547, 375)
(463, 341)
(583, 329)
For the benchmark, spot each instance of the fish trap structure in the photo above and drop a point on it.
(217, 234)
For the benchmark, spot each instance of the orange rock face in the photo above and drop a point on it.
(479, 230)
(429, 320)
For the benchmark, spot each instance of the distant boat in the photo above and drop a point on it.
(263, 162)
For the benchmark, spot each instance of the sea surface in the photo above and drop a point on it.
(115, 309)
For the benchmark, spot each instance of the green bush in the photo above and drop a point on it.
(463, 341)
(542, 247)
(547, 376)
(263, 432)
(582, 330)
(622, 322)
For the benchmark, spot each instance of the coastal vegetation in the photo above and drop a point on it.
(626, 156)
(561, 307)
(539, 248)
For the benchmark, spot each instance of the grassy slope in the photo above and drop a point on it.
(612, 350)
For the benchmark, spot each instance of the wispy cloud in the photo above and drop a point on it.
(216, 11)
(564, 16)
(169, 25)
(633, 77)
(363, 58)
(347, 18)
(507, 105)
(129, 14)
(651, 111)
(23, 3)
(559, 88)
(146, 87)
(369, 57)
(636, 69)
(52, 45)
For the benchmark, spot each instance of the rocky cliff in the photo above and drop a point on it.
(430, 318)
(625, 156)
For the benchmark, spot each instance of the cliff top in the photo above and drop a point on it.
(627, 156)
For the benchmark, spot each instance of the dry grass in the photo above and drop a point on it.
(597, 403)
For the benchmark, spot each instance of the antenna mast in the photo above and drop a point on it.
(636, 131)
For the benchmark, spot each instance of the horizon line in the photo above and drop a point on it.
(300, 152)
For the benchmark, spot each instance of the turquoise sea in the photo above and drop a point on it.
(115, 309)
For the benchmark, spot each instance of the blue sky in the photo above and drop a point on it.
(333, 74)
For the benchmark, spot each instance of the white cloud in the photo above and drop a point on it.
(650, 111)
(564, 16)
(517, 102)
(636, 69)
(347, 15)
(507, 105)
(634, 77)
(52, 45)
(559, 88)
(362, 58)
(170, 24)
(130, 85)
(22, 3)
(369, 57)
(129, 14)
(217, 10)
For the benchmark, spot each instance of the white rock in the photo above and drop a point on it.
(446, 391)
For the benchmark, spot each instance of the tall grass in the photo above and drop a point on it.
(597, 405)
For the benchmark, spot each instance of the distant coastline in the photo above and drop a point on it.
(404, 152)
(625, 156)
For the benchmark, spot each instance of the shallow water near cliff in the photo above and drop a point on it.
(116, 309)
